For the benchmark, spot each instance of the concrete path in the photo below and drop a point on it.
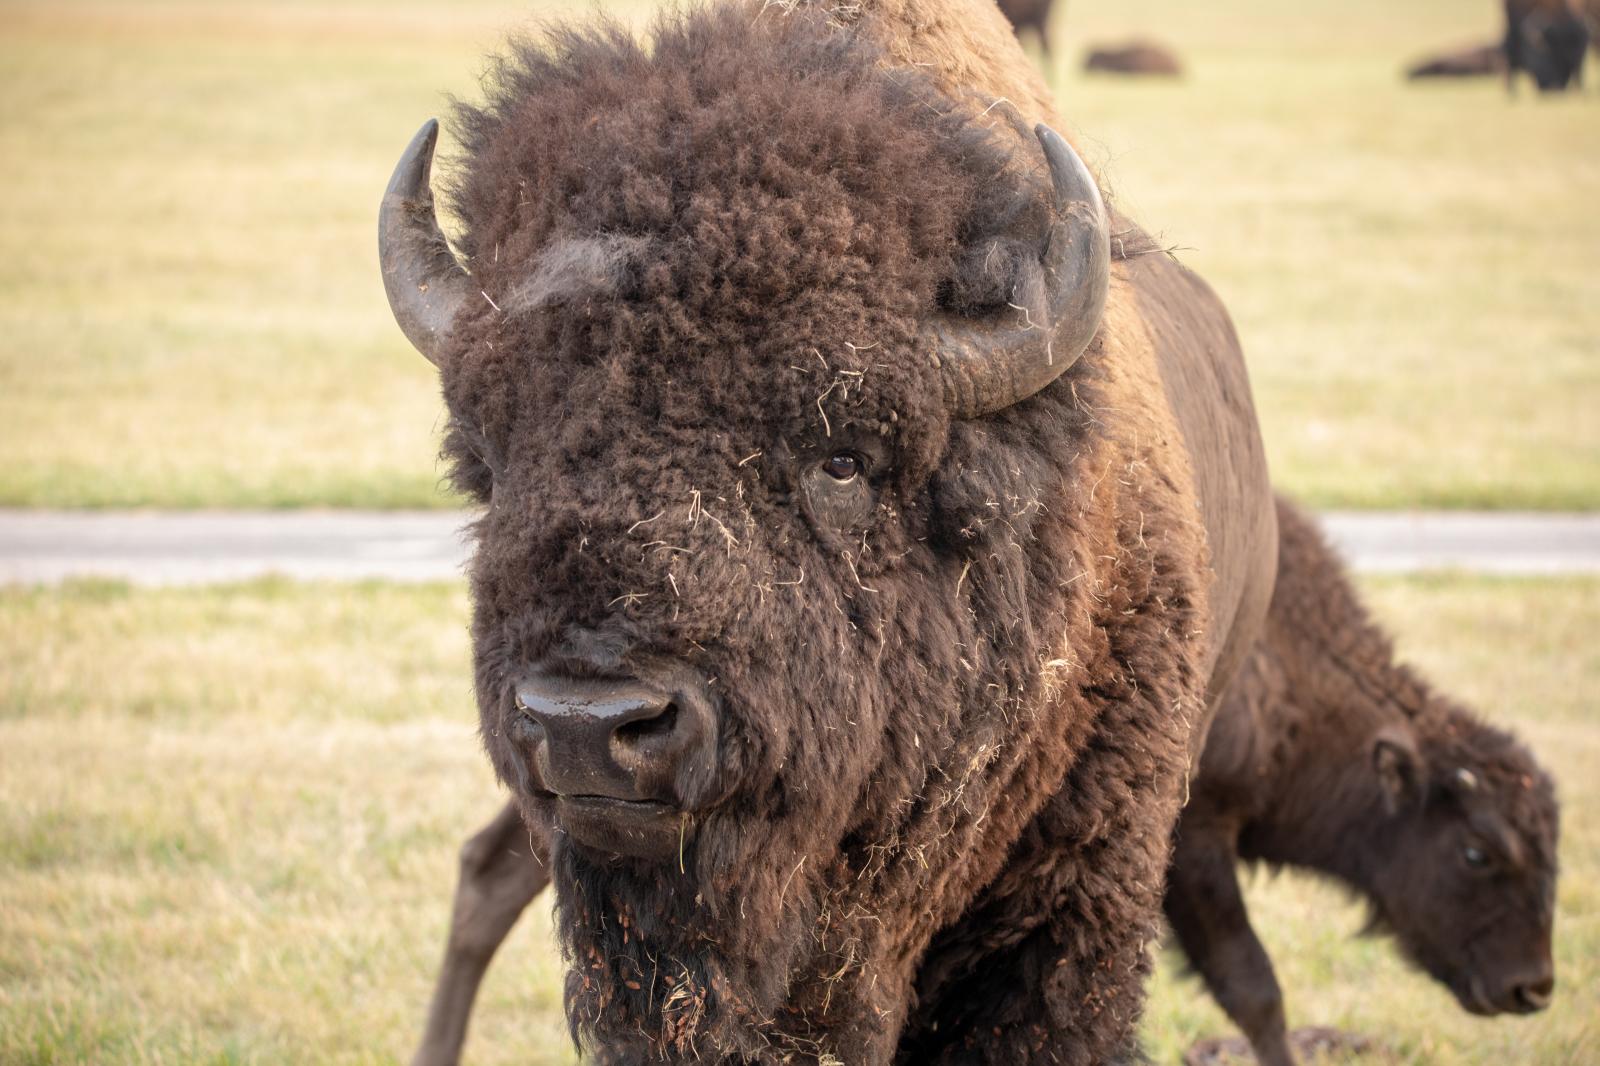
(191, 548)
(186, 548)
(1484, 542)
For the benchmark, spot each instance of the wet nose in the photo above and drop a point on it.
(621, 740)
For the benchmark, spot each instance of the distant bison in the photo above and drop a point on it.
(862, 544)
(1134, 57)
(1328, 755)
(1029, 15)
(1474, 62)
(1548, 39)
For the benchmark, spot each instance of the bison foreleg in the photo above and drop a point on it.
(502, 869)
(1207, 913)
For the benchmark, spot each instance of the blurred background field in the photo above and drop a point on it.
(190, 310)
(229, 818)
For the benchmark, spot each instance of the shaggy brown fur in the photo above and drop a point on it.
(955, 722)
(1330, 756)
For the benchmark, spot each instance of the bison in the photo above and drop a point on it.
(862, 545)
(1029, 15)
(1133, 57)
(1473, 61)
(1327, 755)
(1548, 39)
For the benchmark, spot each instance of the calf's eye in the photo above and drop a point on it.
(842, 466)
(1474, 857)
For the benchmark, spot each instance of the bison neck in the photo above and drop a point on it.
(1332, 821)
(1201, 371)
(1328, 684)
(1077, 835)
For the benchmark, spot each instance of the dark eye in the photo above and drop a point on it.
(837, 493)
(842, 466)
(1474, 857)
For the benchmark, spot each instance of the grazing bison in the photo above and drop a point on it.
(1472, 62)
(862, 547)
(1548, 39)
(1328, 755)
(1134, 57)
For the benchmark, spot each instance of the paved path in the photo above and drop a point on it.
(190, 548)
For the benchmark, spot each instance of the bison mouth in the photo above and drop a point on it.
(614, 762)
(1470, 993)
(1517, 997)
(639, 829)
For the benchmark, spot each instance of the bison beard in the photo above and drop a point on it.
(952, 705)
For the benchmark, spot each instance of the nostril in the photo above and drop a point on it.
(1536, 995)
(524, 727)
(620, 739)
(646, 736)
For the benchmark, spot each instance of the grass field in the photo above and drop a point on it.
(228, 821)
(190, 311)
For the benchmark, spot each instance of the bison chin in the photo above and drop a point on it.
(668, 961)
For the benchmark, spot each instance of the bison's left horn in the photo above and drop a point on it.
(1059, 299)
(426, 285)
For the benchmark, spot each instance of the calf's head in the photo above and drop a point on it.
(1468, 861)
(750, 564)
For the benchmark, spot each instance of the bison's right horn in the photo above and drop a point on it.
(1060, 298)
(426, 285)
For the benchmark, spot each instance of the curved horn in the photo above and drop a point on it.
(426, 285)
(986, 367)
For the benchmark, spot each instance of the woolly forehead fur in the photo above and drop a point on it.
(733, 221)
(1507, 785)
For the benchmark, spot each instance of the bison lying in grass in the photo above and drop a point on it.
(1470, 62)
(862, 547)
(1328, 755)
(1133, 57)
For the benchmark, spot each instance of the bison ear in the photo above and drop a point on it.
(1399, 768)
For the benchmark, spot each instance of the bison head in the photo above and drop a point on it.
(1468, 866)
(772, 558)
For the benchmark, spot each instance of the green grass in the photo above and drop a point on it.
(228, 821)
(190, 310)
